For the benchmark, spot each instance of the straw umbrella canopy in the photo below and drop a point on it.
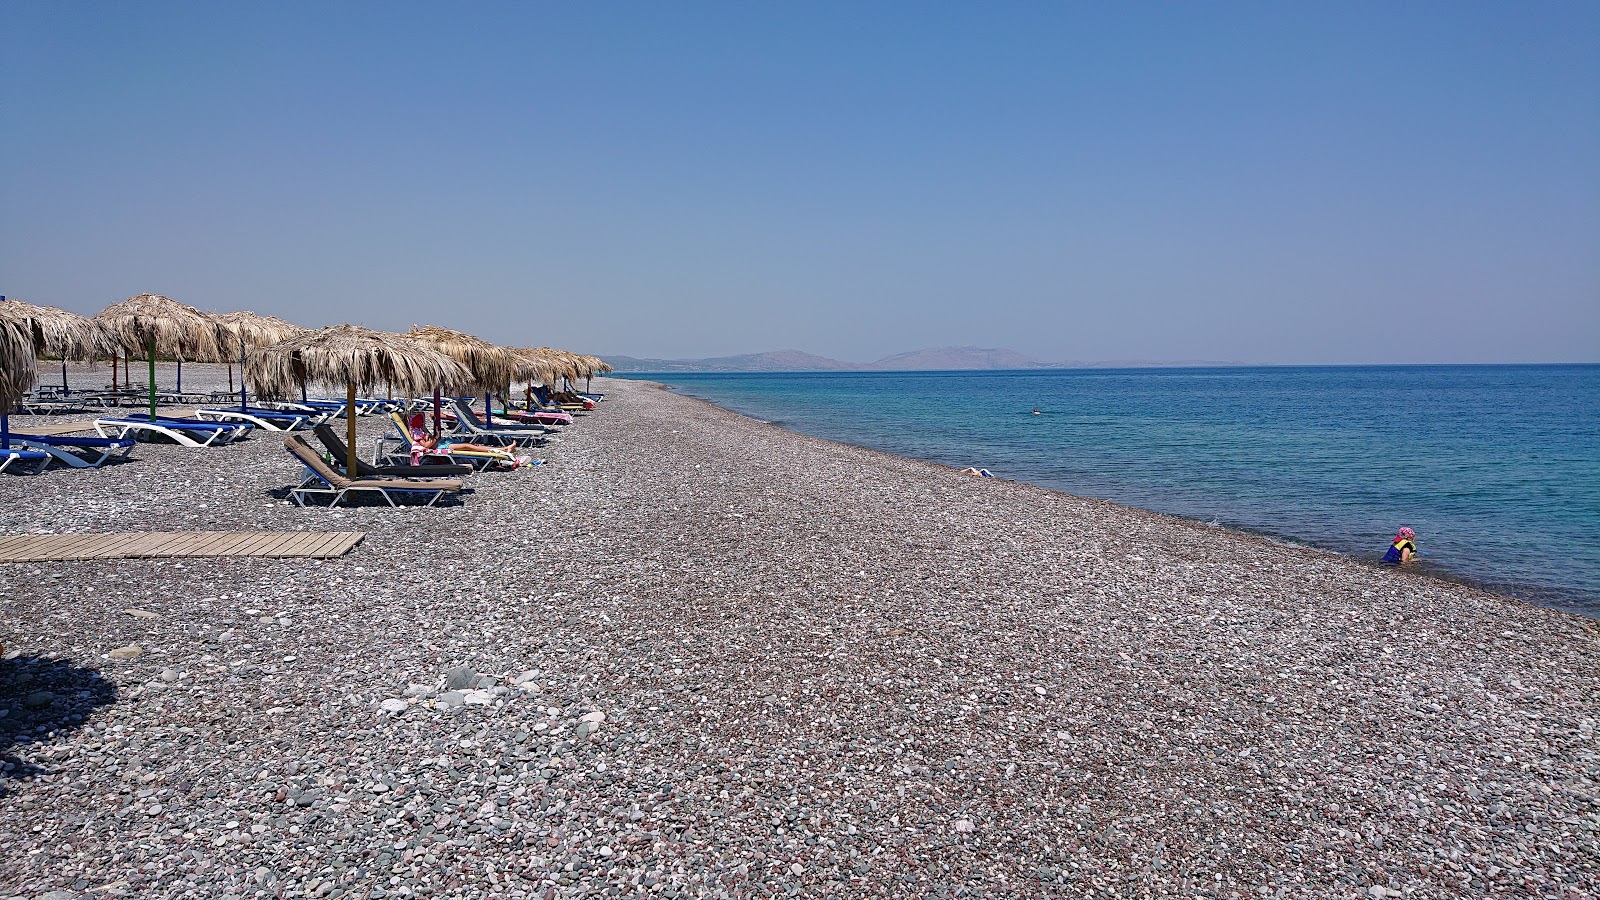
(158, 324)
(17, 371)
(249, 330)
(565, 364)
(597, 366)
(59, 334)
(491, 365)
(538, 365)
(360, 359)
(252, 329)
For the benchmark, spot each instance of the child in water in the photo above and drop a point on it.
(1402, 548)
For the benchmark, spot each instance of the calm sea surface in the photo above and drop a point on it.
(1496, 467)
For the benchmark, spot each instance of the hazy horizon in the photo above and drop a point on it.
(1273, 184)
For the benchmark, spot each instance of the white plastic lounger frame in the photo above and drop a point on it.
(468, 426)
(17, 460)
(310, 486)
(121, 428)
(233, 415)
(338, 486)
(76, 456)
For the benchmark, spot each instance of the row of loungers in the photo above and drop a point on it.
(32, 454)
(391, 476)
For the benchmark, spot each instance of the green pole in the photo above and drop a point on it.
(152, 377)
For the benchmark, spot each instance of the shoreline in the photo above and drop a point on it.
(712, 657)
(1557, 599)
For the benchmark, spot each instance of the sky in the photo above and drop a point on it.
(1263, 182)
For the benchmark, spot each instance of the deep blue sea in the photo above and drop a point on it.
(1496, 467)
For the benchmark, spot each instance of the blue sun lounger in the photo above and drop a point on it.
(469, 426)
(22, 461)
(78, 452)
(190, 433)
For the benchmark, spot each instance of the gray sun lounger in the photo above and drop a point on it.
(322, 480)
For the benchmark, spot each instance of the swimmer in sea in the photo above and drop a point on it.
(1036, 411)
(1402, 548)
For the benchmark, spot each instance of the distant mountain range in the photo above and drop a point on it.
(937, 359)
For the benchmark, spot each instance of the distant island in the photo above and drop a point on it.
(936, 359)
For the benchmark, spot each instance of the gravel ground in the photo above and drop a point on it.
(696, 655)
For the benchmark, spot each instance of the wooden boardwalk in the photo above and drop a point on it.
(160, 544)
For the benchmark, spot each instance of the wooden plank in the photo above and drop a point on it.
(53, 430)
(268, 541)
(327, 544)
(202, 543)
(146, 546)
(351, 539)
(285, 539)
(11, 541)
(116, 546)
(255, 542)
(91, 546)
(185, 543)
(229, 543)
(43, 547)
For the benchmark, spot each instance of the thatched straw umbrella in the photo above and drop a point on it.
(16, 372)
(539, 366)
(160, 324)
(357, 357)
(597, 366)
(49, 331)
(491, 365)
(251, 329)
(58, 333)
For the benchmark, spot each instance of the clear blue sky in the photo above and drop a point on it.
(1265, 182)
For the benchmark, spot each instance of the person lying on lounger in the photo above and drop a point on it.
(425, 444)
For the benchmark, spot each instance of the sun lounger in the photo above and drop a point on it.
(23, 461)
(340, 452)
(268, 419)
(322, 480)
(545, 417)
(400, 439)
(193, 434)
(78, 452)
(469, 426)
(239, 429)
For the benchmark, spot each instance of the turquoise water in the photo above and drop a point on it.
(1496, 467)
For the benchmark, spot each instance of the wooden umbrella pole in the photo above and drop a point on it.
(113, 371)
(436, 405)
(350, 429)
(152, 378)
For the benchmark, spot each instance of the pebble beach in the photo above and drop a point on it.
(696, 655)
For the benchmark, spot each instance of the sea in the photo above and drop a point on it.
(1497, 468)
